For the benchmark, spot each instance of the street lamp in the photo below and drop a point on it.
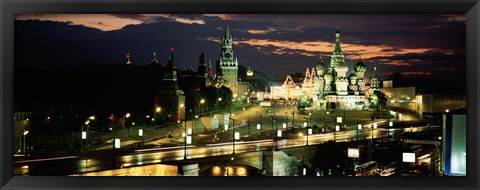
(25, 133)
(359, 127)
(125, 117)
(279, 134)
(273, 120)
(234, 135)
(372, 118)
(202, 101)
(157, 110)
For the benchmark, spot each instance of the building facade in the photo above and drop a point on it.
(171, 97)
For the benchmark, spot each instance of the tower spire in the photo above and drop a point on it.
(210, 70)
(128, 59)
(155, 57)
(337, 49)
(171, 64)
(227, 32)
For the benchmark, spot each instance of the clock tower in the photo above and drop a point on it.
(228, 65)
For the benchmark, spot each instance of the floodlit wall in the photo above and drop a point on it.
(149, 170)
(458, 145)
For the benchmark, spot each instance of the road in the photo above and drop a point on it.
(104, 160)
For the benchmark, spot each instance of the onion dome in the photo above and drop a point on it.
(360, 67)
(352, 76)
(320, 65)
(249, 72)
(342, 67)
(328, 76)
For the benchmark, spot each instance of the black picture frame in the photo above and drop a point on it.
(8, 8)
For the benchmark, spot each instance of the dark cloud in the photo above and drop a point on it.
(61, 44)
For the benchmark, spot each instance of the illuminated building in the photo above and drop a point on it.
(329, 87)
(454, 158)
(425, 96)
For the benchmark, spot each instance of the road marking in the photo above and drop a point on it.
(46, 159)
(165, 148)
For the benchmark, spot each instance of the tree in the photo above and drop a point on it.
(303, 101)
(226, 95)
(377, 100)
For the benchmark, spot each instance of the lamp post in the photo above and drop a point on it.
(279, 134)
(358, 126)
(371, 142)
(248, 124)
(325, 119)
(125, 117)
(293, 118)
(309, 119)
(202, 101)
(339, 121)
(25, 133)
(157, 110)
(185, 141)
(273, 120)
(261, 118)
(233, 135)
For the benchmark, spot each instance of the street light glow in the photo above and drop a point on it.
(202, 101)
(127, 115)
(92, 117)
(25, 133)
(159, 109)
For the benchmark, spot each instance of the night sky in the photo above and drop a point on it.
(428, 46)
